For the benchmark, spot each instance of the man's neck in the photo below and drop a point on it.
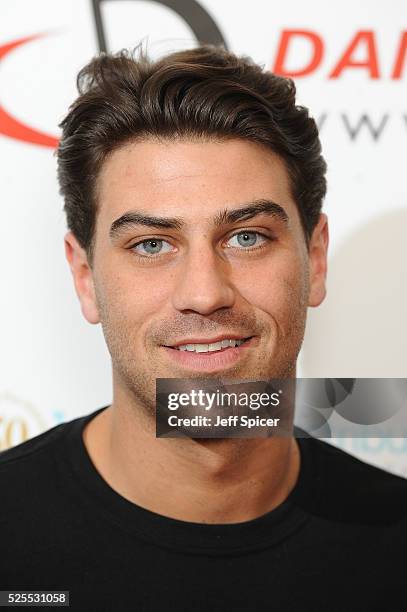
(202, 481)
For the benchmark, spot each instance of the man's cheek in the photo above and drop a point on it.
(131, 300)
(273, 292)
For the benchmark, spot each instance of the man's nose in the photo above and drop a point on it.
(203, 284)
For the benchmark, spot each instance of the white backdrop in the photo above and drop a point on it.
(349, 61)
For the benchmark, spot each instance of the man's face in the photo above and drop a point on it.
(198, 276)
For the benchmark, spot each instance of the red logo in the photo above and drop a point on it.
(363, 40)
(9, 125)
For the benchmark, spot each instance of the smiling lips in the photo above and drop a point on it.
(210, 354)
(205, 356)
(209, 348)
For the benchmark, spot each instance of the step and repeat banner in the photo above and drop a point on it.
(349, 62)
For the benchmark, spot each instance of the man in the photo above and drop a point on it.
(193, 189)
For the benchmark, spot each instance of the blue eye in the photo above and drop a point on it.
(153, 246)
(247, 239)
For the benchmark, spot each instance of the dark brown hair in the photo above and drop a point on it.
(199, 93)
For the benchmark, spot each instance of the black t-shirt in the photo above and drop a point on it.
(338, 542)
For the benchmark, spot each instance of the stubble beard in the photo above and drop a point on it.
(136, 382)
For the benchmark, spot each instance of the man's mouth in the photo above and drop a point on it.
(202, 355)
(211, 347)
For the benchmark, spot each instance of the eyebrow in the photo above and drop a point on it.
(224, 217)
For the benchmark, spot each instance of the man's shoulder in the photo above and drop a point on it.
(347, 488)
(31, 466)
(27, 475)
(31, 448)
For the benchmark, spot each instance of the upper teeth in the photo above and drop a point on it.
(205, 348)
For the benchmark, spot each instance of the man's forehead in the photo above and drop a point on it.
(155, 162)
(189, 178)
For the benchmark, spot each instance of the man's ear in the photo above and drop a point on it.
(318, 261)
(83, 278)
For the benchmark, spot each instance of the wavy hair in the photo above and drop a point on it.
(204, 92)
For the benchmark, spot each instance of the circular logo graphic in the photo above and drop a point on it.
(19, 421)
